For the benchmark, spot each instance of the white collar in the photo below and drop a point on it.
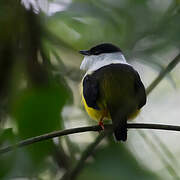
(94, 62)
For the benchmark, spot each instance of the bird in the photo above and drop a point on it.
(111, 88)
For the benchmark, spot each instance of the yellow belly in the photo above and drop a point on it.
(102, 113)
(94, 113)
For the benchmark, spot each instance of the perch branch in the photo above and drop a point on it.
(84, 129)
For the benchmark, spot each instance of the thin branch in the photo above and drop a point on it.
(170, 169)
(156, 81)
(84, 129)
(163, 73)
(166, 150)
(71, 175)
(48, 136)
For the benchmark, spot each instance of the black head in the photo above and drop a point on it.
(100, 49)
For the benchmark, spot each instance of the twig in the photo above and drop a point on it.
(170, 169)
(166, 151)
(71, 175)
(84, 129)
(156, 81)
(163, 73)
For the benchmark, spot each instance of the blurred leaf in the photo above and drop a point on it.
(115, 162)
(7, 162)
(37, 111)
(6, 137)
(86, 23)
(6, 134)
(79, 26)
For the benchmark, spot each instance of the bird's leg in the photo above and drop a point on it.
(101, 122)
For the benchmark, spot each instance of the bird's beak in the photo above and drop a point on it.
(84, 52)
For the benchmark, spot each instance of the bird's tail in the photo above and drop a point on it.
(120, 127)
(120, 132)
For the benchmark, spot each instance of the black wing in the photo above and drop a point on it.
(140, 90)
(91, 91)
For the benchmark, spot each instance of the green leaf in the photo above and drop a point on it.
(37, 111)
(6, 137)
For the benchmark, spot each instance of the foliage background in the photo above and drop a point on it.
(39, 86)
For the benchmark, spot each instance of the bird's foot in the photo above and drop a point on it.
(101, 124)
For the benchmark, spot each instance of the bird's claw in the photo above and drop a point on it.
(101, 124)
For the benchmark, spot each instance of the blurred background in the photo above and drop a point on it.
(39, 86)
